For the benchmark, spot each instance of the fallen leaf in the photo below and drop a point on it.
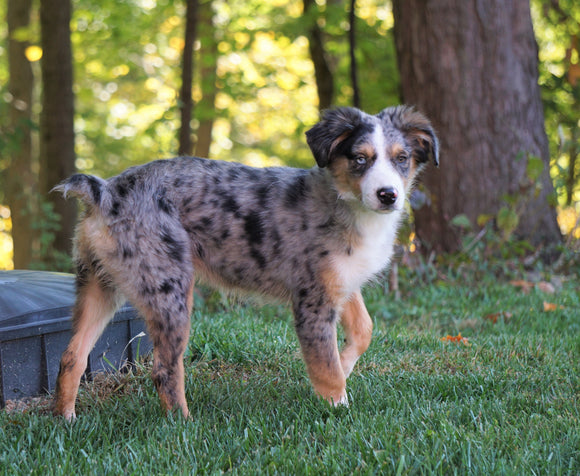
(526, 286)
(492, 317)
(458, 339)
(496, 315)
(546, 287)
(550, 306)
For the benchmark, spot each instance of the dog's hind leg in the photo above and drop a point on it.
(95, 305)
(168, 322)
(158, 280)
(316, 329)
(358, 329)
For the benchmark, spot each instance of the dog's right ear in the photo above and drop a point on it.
(335, 126)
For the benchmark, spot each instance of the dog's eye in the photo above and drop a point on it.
(402, 158)
(361, 161)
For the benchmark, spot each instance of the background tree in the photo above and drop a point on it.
(20, 179)
(472, 68)
(208, 55)
(322, 71)
(57, 137)
(352, 51)
(187, 69)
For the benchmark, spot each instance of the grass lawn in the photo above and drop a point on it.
(503, 401)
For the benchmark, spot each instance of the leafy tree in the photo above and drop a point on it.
(558, 31)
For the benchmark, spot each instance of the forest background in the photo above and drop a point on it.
(256, 88)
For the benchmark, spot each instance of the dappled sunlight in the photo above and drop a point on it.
(6, 246)
(569, 221)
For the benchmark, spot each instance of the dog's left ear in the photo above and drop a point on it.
(334, 128)
(417, 129)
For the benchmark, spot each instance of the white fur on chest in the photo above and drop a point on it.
(372, 254)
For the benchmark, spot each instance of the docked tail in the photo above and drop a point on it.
(91, 190)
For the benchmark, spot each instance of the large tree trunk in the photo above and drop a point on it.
(57, 152)
(19, 189)
(185, 97)
(471, 66)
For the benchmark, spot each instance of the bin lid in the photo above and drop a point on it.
(31, 296)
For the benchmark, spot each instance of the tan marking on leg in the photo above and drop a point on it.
(171, 389)
(324, 369)
(358, 329)
(93, 310)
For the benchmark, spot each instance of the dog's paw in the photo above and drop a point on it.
(67, 413)
(68, 416)
(341, 402)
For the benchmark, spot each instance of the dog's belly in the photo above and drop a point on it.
(239, 274)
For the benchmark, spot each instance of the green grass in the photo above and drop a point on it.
(506, 404)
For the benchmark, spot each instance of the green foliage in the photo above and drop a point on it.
(127, 57)
(557, 27)
(47, 258)
(496, 232)
(461, 221)
(127, 77)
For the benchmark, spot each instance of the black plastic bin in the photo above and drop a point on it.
(35, 327)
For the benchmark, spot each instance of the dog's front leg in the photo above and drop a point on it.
(358, 329)
(316, 329)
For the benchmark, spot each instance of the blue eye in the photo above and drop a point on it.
(361, 160)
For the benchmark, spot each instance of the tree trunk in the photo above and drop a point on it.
(571, 176)
(21, 181)
(205, 109)
(186, 106)
(57, 150)
(352, 50)
(471, 66)
(322, 72)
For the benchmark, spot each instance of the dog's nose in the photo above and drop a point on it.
(387, 196)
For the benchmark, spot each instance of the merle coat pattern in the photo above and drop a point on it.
(308, 237)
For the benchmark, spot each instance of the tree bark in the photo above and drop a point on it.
(57, 149)
(20, 185)
(352, 50)
(205, 110)
(322, 71)
(471, 66)
(186, 106)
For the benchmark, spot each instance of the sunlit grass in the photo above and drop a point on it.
(506, 404)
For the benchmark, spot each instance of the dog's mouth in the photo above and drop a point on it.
(385, 210)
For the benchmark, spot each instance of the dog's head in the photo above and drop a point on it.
(374, 159)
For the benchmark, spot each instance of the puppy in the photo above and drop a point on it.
(308, 237)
